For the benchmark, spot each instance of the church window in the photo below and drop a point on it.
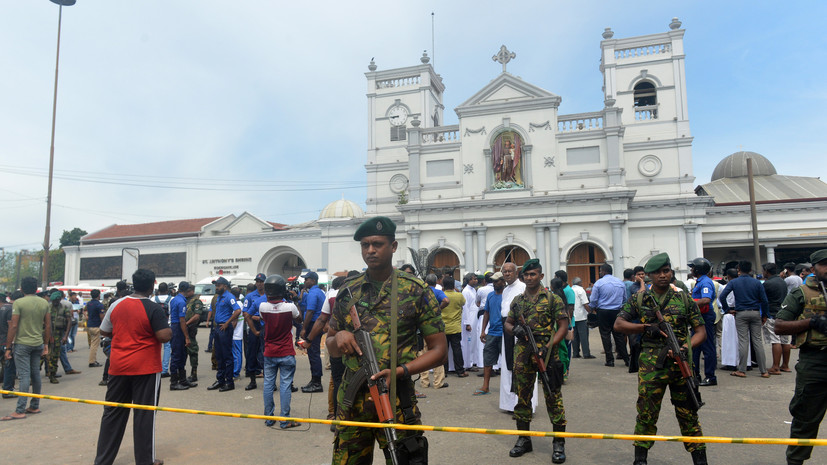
(398, 133)
(646, 101)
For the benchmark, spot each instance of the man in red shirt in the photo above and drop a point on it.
(137, 327)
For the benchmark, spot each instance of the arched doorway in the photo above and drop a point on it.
(583, 262)
(444, 260)
(510, 253)
(282, 260)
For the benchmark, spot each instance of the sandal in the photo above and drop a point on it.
(480, 392)
(291, 424)
(739, 374)
(12, 417)
(765, 375)
(32, 411)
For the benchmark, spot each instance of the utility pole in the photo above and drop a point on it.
(753, 217)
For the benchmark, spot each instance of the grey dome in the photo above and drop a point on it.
(735, 166)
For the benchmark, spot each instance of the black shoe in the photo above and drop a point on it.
(94, 365)
(226, 387)
(626, 361)
(444, 385)
(103, 382)
(178, 387)
(576, 356)
(9, 396)
(641, 454)
(58, 375)
(312, 387)
(165, 374)
(699, 457)
(558, 450)
(251, 386)
(708, 382)
(293, 388)
(208, 351)
(589, 356)
(216, 385)
(610, 364)
(523, 445)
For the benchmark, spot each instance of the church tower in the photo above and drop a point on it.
(398, 99)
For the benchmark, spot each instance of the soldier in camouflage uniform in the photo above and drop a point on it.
(195, 308)
(61, 315)
(547, 319)
(681, 312)
(804, 314)
(371, 293)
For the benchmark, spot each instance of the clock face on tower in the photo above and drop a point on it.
(398, 115)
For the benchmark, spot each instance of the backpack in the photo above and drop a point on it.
(164, 304)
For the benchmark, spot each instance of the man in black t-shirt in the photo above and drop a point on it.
(94, 315)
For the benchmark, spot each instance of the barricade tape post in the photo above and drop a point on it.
(445, 429)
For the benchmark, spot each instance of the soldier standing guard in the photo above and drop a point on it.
(373, 296)
(657, 371)
(804, 314)
(61, 316)
(195, 308)
(545, 316)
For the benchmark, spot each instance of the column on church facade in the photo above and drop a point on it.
(554, 246)
(414, 235)
(482, 256)
(691, 242)
(539, 232)
(617, 246)
(771, 252)
(469, 249)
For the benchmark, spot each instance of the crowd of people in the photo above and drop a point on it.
(505, 324)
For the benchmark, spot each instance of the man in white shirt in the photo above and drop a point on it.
(470, 327)
(581, 327)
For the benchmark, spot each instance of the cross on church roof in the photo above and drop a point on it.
(504, 56)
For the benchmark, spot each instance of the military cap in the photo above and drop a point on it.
(376, 226)
(56, 296)
(532, 264)
(818, 256)
(184, 286)
(655, 263)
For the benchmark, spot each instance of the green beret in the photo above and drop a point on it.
(818, 255)
(55, 296)
(376, 226)
(531, 264)
(655, 263)
(481, 277)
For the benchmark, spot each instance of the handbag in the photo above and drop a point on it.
(591, 320)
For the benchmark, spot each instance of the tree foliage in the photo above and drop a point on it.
(71, 237)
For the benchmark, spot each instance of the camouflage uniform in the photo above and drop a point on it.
(194, 307)
(61, 316)
(652, 381)
(541, 314)
(808, 403)
(418, 309)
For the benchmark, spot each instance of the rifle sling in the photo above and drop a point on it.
(394, 349)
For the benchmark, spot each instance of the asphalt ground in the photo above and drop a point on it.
(598, 399)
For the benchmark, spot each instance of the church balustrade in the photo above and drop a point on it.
(646, 50)
(398, 82)
(580, 122)
(648, 112)
(441, 135)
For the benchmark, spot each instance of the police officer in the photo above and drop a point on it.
(180, 340)
(654, 376)
(227, 310)
(374, 295)
(254, 354)
(704, 293)
(804, 314)
(545, 316)
(195, 308)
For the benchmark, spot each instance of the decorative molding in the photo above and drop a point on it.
(468, 168)
(650, 166)
(546, 126)
(658, 144)
(469, 131)
(548, 161)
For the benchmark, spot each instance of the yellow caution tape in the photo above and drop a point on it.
(445, 429)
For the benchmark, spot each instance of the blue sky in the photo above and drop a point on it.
(261, 106)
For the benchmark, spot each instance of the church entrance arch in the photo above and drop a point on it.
(284, 261)
(510, 253)
(444, 261)
(583, 262)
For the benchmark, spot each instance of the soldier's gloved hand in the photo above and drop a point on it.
(653, 331)
(819, 323)
(520, 332)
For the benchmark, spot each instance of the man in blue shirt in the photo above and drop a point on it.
(704, 294)
(493, 339)
(227, 310)
(180, 340)
(312, 308)
(751, 311)
(608, 296)
(254, 350)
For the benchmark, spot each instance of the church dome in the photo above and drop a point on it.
(735, 166)
(341, 209)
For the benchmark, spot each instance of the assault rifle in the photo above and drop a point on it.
(681, 360)
(535, 352)
(379, 392)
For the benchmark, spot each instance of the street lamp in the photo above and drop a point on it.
(45, 270)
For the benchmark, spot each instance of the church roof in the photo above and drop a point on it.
(340, 209)
(768, 189)
(735, 166)
(507, 92)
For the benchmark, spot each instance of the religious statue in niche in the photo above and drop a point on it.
(507, 160)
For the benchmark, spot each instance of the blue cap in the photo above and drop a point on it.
(261, 277)
(311, 275)
(221, 280)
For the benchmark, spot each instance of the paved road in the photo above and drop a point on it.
(598, 400)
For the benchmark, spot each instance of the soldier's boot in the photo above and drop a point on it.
(523, 442)
(193, 378)
(53, 379)
(175, 382)
(182, 379)
(252, 384)
(699, 457)
(558, 445)
(641, 454)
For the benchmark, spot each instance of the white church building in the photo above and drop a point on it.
(515, 179)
